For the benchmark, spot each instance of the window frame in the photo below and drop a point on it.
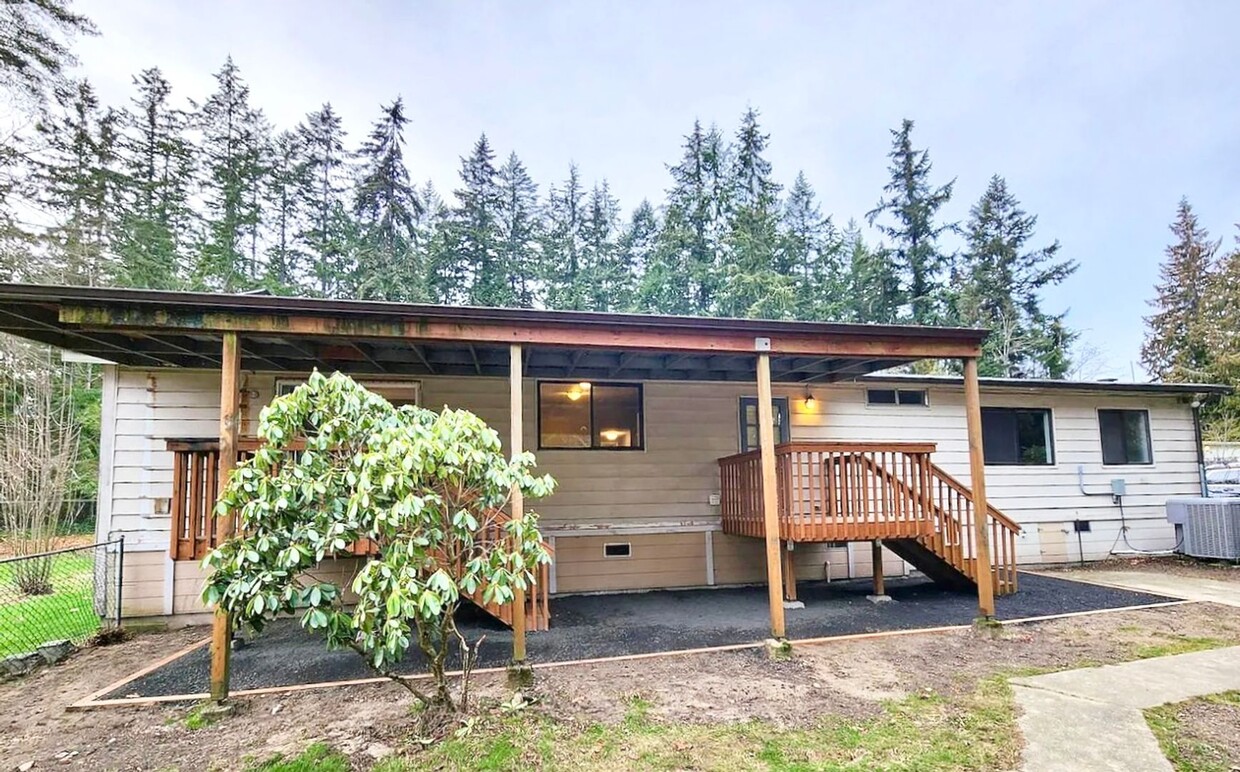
(1052, 455)
(1149, 435)
(781, 406)
(924, 403)
(641, 415)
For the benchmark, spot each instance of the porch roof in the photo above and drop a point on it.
(155, 328)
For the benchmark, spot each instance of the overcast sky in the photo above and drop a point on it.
(1100, 115)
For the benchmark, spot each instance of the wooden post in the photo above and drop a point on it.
(880, 583)
(977, 479)
(230, 415)
(790, 573)
(770, 497)
(516, 444)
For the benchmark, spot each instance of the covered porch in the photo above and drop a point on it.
(768, 494)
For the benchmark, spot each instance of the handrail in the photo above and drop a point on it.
(990, 508)
(785, 448)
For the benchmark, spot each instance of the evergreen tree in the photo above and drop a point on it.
(753, 284)
(80, 188)
(158, 219)
(635, 250)
(563, 268)
(328, 237)
(287, 264)
(435, 239)
(906, 215)
(1175, 347)
(810, 253)
(231, 148)
(34, 44)
(1219, 329)
(873, 287)
(519, 230)
(602, 281)
(475, 275)
(693, 226)
(1001, 279)
(386, 207)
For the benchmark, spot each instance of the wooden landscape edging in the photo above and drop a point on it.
(93, 701)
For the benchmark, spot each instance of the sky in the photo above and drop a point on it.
(1101, 116)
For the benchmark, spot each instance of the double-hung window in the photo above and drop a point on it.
(1125, 437)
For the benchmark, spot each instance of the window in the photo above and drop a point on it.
(589, 416)
(1125, 436)
(749, 421)
(896, 397)
(1019, 436)
(397, 392)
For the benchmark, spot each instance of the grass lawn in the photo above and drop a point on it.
(26, 621)
(1199, 735)
(928, 731)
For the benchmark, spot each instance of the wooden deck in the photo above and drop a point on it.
(195, 529)
(861, 491)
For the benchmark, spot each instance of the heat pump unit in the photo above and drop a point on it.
(1207, 528)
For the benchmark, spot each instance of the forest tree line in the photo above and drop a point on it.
(204, 193)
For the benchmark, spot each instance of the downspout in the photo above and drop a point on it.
(1201, 450)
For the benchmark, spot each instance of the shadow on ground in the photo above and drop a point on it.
(591, 626)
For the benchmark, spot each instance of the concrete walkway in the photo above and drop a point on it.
(1161, 583)
(1091, 718)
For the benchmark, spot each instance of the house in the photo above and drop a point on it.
(689, 452)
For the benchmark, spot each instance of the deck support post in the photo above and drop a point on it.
(876, 554)
(516, 444)
(230, 415)
(977, 480)
(790, 574)
(770, 497)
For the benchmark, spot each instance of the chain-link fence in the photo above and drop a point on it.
(69, 594)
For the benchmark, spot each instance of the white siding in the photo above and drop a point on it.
(667, 487)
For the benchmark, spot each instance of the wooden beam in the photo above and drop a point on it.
(430, 368)
(230, 417)
(790, 572)
(473, 354)
(361, 349)
(516, 443)
(876, 555)
(108, 345)
(718, 341)
(977, 482)
(770, 497)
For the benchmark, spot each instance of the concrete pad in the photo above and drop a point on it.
(1147, 683)
(1186, 587)
(1068, 734)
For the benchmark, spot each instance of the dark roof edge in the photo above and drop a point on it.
(1046, 383)
(251, 303)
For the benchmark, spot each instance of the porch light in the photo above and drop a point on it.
(809, 400)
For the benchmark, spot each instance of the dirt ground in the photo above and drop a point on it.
(60, 542)
(1219, 570)
(1210, 728)
(850, 678)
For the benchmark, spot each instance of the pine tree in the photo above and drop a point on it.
(158, 221)
(695, 219)
(34, 45)
(435, 239)
(231, 148)
(287, 264)
(386, 207)
(1000, 283)
(1175, 347)
(519, 222)
(873, 287)
(1218, 328)
(562, 264)
(328, 237)
(80, 184)
(810, 253)
(475, 274)
(602, 280)
(636, 249)
(906, 215)
(753, 284)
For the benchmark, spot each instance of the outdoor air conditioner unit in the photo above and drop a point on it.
(1207, 528)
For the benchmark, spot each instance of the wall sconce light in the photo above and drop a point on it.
(809, 399)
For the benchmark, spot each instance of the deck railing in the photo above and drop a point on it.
(195, 528)
(833, 491)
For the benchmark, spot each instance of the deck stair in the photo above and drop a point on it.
(194, 534)
(830, 491)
